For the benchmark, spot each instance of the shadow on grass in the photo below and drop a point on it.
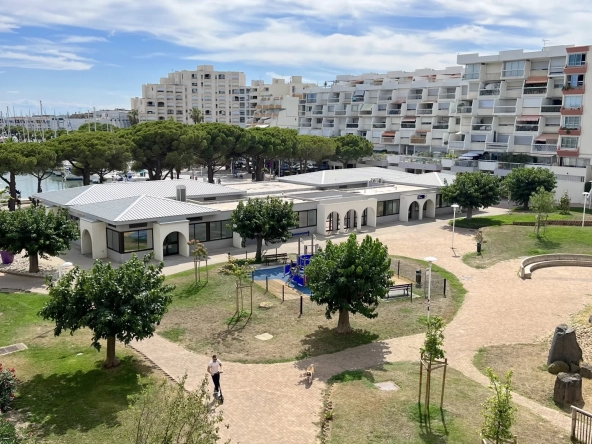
(326, 340)
(80, 401)
(190, 290)
(432, 424)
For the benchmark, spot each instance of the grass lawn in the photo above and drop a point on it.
(511, 241)
(200, 319)
(63, 389)
(515, 216)
(362, 413)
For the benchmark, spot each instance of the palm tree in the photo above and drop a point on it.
(133, 117)
(196, 115)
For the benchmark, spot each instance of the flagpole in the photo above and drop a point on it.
(88, 118)
(42, 126)
(27, 127)
(67, 123)
(95, 117)
(8, 119)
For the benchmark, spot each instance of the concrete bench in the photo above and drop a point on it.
(533, 263)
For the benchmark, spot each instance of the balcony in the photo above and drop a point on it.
(550, 108)
(573, 88)
(414, 96)
(504, 109)
(379, 125)
(387, 139)
(568, 151)
(471, 76)
(456, 145)
(492, 76)
(420, 163)
(489, 92)
(393, 112)
(481, 127)
(333, 100)
(535, 90)
(576, 69)
(424, 111)
(513, 73)
(542, 148)
(446, 96)
(497, 146)
(527, 127)
(351, 125)
(465, 166)
(464, 110)
(417, 140)
(440, 126)
(407, 125)
(572, 111)
(488, 165)
(570, 131)
(340, 112)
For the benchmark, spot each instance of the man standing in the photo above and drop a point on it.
(214, 368)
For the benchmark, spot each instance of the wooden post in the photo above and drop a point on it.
(420, 381)
(573, 422)
(207, 272)
(266, 284)
(251, 299)
(398, 268)
(283, 288)
(300, 305)
(237, 310)
(426, 406)
(443, 381)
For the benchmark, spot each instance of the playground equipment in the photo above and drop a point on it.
(297, 271)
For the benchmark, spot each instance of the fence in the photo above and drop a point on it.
(408, 270)
(566, 223)
(581, 426)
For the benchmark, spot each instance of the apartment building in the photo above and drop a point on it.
(275, 104)
(492, 108)
(220, 95)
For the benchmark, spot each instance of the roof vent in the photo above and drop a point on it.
(181, 193)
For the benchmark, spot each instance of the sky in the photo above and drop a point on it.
(74, 56)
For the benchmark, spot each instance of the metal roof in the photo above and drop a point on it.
(351, 176)
(91, 194)
(141, 208)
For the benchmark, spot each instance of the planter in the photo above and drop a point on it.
(7, 257)
(478, 247)
(504, 441)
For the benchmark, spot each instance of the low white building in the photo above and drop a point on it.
(119, 219)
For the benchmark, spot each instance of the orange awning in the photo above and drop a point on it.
(389, 134)
(528, 118)
(545, 137)
(422, 131)
(537, 79)
(409, 119)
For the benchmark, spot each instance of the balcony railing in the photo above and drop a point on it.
(489, 92)
(417, 140)
(394, 111)
(504, 109)
(481, 127)
(509, 165)
(414, 96)
(576, 63)
(387, 140)
(550, 108)
(333, 100)
(460, 144)
(447, 96)
(317, 112)
(328, 125)
(568, 148)
(496, 146)
(466, 163)
(527, 127)
(535, 90)
(340, 112)
(421, 160)
(423, 111)
(440, 126)
(351, 125)
(464, 109)
(471, 76)
(407, 125)
(379, 125)
(513, 73)
(543, 148)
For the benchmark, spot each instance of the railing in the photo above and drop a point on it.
(328, 125)
(581, 425)
(340, 112)
(407, 125)
(351, 125)
(496, 145)
(509, 165)
(385, 99)
(421, 160)
(456, 144)
(333, 100)
(535, 90)
(489, 92)
(417, 139)
(306, 124)
(379, 125)
(550, 108)
(464, 109)
(471, 76)
(574, 64)
(467, 163)
(527, 127)
(414, 96)
(568, 178)
(394, 111)
(440, 126)
(447, 96)
(481, 127)
(513, 73)
(423, 111)
(387, 140)
(569, 148)
(504, 109)
(492, 76)
(543, 148)
(317, 112)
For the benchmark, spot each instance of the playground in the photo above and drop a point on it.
(292, 276)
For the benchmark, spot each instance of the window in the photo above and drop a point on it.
(112, 240)
(485, 103)
(438, 201)
(576, 60)
(143, 225)
(388, 207)
(136, 240)
(573, 102)
(514, 69)
(306, 218)
(522, 140)
(572, 122)
(472, 71)
(569, 142)
(210, 231)
(575, 81)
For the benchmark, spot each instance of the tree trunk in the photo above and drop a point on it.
(343, 323)
(33, 263)
(210, 173)
(525, 206)
(469, 213)
(111, 360)
(85, 177)
(178, 171)
(39, 179)
(12, 192)
(259, 247)
(259, 175)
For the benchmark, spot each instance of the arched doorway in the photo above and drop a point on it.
(86, 242)
(429, 209)
(369, 217)
(332, 222)
(413, 212)
(350, 220)
(170, 245)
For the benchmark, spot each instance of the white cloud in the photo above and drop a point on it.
(152, 55)
(372, 36)
(43, 54)
(83, 39)
(12, 92)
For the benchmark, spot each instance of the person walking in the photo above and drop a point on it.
(214, 369)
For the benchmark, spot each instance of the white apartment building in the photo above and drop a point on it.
(275, 104)
(220, 95)
(492, 107)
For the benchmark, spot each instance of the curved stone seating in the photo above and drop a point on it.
(533, 263)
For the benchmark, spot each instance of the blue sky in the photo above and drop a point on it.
(76, 55)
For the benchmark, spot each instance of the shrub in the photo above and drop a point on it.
(8, 383)
(8, 433)
(564, 204)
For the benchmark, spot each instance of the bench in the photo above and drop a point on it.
(407, 290)
(275, 258)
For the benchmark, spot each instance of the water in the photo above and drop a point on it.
(27, 185)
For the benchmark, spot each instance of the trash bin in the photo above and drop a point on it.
(253, 176)
(418, 277)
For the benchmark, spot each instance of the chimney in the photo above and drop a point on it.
(181, 193)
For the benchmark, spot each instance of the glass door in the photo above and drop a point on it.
(170, 245)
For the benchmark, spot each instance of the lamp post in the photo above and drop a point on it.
(454, 208)
(429, 260)
(585, 194)
(64, 265)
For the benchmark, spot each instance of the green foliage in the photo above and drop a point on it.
(90, 127)
(133, 117)
(156, 147)
(347, 376)
(196, 115)
(270, 143)
(472, 191)
(167, 413)
(351, 147)
(523, 182)
(8, 433)
(47, 161)
(542, 203)
(317, 148)
(125, 302)
(38, 232)
(564, 205)
(350, 277)
(498, 412)
(515, 158)
(15, 159)
(8, 384)
(268, 220)
(433, 345)
(93, 152)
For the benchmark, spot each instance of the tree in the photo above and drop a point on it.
(47, 161)
(39, 232)
(498, 412)
(93, 153)
(542, 203)
(433, 345)
(14, 160)
(133, 118)
(268, 220)
(212, 144)
(199, 253)
(522, 182)
(123, 303)
(166, 412)
(472, 191)
(317, 148)
(565, 203)
(196, 115)
(153, 142)
(269, 144)
(91, 127)
(351, 147)
(350, 278)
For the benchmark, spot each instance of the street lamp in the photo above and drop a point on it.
(454, 208)
(429, 260)
(64, 265)
(585, 194)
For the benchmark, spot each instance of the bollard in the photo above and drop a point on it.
(300, 305)
(418, 278)
(444, 287)
(398, 268)
(245, 255)
(283, 288)
(266, 284)
(253, 276)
